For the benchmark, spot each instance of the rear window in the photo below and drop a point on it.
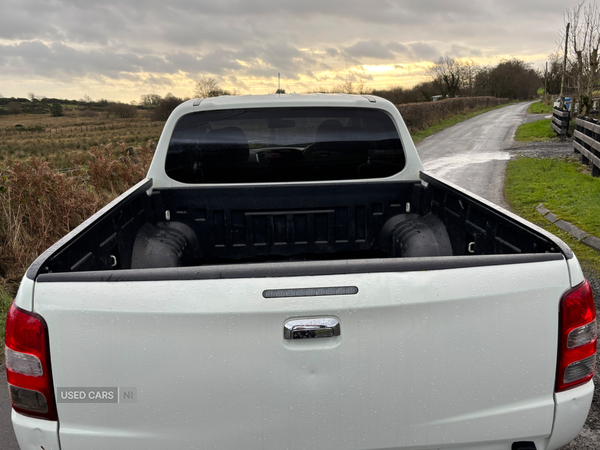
(284, 144)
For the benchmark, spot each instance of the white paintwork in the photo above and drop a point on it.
(157, 168)
(572, 408)
(35, 434)
(461, 358)
(24, 297)
(575, 271)
(432, 359)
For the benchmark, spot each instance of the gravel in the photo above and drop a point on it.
(546, 149)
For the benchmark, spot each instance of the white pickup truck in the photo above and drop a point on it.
(288, 277)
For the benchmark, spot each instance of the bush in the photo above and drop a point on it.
(165, 107)
(33, 128)
(40, 205)
(56, 110)
(89, 113)
(14, 108)
(121, 110)
(114, 170)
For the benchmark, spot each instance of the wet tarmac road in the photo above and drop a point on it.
(473, 153)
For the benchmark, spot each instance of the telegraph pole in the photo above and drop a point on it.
(562, 81)
(545, 83)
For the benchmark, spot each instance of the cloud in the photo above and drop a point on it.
(65, 40)
(369, 50)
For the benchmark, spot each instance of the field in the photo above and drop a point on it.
(61, 139)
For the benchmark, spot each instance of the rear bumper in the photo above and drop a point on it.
(571, 410)
(33, 434)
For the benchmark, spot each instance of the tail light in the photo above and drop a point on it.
(578, 337)
(28, 365)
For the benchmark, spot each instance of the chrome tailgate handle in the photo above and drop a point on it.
(311, 328)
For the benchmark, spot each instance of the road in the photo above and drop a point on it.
(8, 441)
(472, 154)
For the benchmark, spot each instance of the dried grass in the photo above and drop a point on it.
(39, 204)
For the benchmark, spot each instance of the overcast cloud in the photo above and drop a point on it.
(122, 49)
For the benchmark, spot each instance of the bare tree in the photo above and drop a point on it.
(470, 69)
(554, 73)
(447, 74)
(512, 78)
(150, 99)
(353, 84)
(584, 40)
(208, 87)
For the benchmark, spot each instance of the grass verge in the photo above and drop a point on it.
(539, 108)
(420, 135)
(565, 189)
(540, 130)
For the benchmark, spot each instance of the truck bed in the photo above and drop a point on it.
(207, 226)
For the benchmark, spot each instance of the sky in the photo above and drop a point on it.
(120, 50)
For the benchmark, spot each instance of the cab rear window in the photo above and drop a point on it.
(284, 144)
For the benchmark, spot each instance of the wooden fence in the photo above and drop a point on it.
(560, 122)
(586, 141)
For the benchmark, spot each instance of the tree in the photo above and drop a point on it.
(352, 84)
(583, 44)
(470, 69)
(150, 99)
(208, 87)
(165, 107)
(280, 91)
(56, 110)
(554, 74)
(86, 99)
(421, 92)
(447, 74)
(512, 79)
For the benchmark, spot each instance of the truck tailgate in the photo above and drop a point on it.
(424, 358)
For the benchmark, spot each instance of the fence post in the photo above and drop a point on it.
(560, 122)
(586, 141)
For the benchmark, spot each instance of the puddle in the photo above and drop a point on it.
(449, 164)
